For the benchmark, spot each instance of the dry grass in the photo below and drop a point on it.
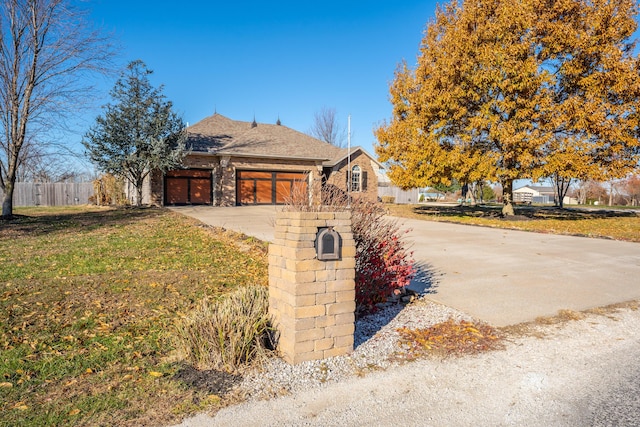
(564, 316)
(449, 338)
(229, 333)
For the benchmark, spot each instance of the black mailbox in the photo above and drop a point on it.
(328, 244)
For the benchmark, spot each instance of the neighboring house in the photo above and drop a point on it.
(234, 163)
(533, 194)
(538, 194)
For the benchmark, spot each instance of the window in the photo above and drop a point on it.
(356, 179)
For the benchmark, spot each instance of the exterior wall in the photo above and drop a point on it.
(131, 193)
(312, 302)
(224, 169)
(338, 176)
(156, 197)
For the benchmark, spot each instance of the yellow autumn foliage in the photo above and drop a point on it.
(545, 89)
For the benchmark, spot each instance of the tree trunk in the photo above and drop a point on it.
(7, 202)
(139, 199)
(507, 194)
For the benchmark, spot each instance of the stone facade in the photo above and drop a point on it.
(338, 175)
(312, 302)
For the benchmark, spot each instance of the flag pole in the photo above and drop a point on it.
(349, 172)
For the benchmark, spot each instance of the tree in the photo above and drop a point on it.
(498, 95)
(137, 134)
(327, 128)
(47, 53)
(631, 187)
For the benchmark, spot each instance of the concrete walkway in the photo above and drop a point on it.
(503, 277)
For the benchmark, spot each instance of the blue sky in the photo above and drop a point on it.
(270, 59)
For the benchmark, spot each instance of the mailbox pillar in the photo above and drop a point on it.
(312, 301)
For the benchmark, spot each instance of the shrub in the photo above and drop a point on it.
(382, 260)
(109, 190)
(388, 199)
(229, 333)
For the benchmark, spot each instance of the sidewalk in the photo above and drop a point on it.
(503, 277)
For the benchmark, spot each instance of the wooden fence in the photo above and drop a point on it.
(401, 197)
(51, 194)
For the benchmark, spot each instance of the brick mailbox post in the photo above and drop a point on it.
(311, 300)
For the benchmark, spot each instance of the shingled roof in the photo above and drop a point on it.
(222, 136)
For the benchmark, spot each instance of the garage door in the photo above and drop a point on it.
(190, 186)
(268, 187)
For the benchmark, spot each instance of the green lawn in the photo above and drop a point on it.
(600, 223)
(88, 299)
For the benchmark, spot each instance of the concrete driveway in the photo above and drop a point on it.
(503, 277)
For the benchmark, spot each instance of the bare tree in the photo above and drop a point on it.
(47, 53)
(327, 128)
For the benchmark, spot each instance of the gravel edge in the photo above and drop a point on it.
(376, 348)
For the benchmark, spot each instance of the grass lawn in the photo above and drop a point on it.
(601, 223)
(88, 299)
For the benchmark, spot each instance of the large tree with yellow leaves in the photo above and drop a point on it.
(506, 91)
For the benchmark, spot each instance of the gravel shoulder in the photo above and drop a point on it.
(573, 373)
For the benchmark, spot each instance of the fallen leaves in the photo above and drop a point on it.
(449, 338)
(88, 310)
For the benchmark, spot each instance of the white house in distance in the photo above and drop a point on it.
(538, 194)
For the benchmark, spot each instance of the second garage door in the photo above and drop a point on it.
(188, 187)
(268, 187)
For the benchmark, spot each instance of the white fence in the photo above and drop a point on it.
(51, 194)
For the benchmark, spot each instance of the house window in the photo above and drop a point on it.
(356, 179)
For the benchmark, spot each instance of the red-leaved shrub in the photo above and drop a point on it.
(382, 261)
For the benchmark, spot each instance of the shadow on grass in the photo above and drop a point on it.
(42, 223)
(368, 326)
(522, 212)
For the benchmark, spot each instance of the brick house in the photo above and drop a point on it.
(235, 163)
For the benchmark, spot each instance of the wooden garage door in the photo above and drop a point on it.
(190, 186)
(268, 187)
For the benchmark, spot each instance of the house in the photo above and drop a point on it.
(233, 163)
(539, 194)
(534, 194)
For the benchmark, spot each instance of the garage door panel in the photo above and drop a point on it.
(200, 191)
(247, 192)
(291, 176)
(264, 192)
(177, 190)
(256, 175)
(283, 191)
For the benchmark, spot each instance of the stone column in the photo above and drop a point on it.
(312, 302)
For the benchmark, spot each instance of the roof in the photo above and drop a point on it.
(222, 136)
(537, 188)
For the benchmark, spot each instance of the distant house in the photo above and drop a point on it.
(235, 163)
(538, 194)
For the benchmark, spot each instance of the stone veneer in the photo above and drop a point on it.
(312, 302)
